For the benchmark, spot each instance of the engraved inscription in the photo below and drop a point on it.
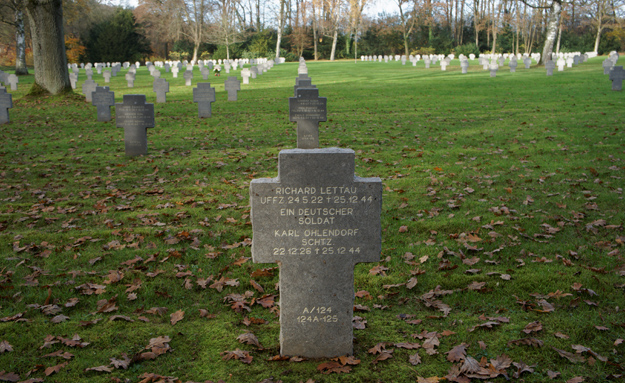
(317, 315)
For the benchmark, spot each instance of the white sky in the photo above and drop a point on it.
(376, 6)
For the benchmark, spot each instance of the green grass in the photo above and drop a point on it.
(531, 165)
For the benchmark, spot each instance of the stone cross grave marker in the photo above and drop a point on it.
(72, 79)
(316, 220)
(12, 80)
(617, 75)
(204, 95)
(550, 66)
(188, 77)
(302, 81)
(246, 73)
(307, 109)
(576, 59)
(427, 61)
(205, 73)
(527, 62)
(89, 73)
(88, 87)
(107, 76)
(174, 71)
(130, 79)
(607, 65)
(254, 71)
(156, 74)
(513, 64)
(103, 99)
(464, 65)
(493, 68)
(161, 87)
(135, 116)
(6, 103)
(166, 68)
(232, 85)
(561, 63)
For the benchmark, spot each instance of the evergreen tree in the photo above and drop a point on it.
(117, 39)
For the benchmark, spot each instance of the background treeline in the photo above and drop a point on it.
(320, 29)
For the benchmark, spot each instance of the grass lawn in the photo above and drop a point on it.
(502, 252)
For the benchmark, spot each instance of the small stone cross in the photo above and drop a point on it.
(161, 87)
(617, 75)
(607, 65)
(88, 87)
(107, 76)
(12, 80)
(103, 99)
(6, 102)
(204, 95)
(188, 76)
(135, 116)
(232, 86)
(550, 66)
(308, 109)
(130, 79)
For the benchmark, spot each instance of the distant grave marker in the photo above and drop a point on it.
(102, 98)
(6, 103)
(617, 75)
(188, 77)
(161, 87)
(88, 87)
(232, 85)
(204, 95)
(308, 109)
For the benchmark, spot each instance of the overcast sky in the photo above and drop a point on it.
(371, 10)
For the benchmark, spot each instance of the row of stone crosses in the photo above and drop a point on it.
(616, 73)
(136, 116)
(316, 219)
(490, 62)
(161, 86)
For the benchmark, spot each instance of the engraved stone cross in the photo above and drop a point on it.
(316, 220)
(103, 99)
(307, 109)
(135, 116)
(204, 95)
(617, 75)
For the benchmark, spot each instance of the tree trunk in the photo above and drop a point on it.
(598, 38)
(20, 45)
(196, 46)
(336, 36)
(48, 39)
(552, 29)
(314, 27)
(559, 37)
(280, 27)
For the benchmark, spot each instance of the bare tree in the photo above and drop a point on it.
(11, 13)
(408, 18)
(356, 7)
(553, 10)
(280, 27)
(224, 30)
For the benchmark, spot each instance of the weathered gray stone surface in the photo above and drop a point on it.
(188, 77)
(107, 76)
(88, 87)
(527, 62)
(161, 87)
(308, 109)
(550, 66)
(607, 65)
(102, 98)
(130, 79)
(6, 102)
(316, 220)
(232, 86)
(12, 80)
(204, 95)
(135, 116)
(617, 75)
(302, 81)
